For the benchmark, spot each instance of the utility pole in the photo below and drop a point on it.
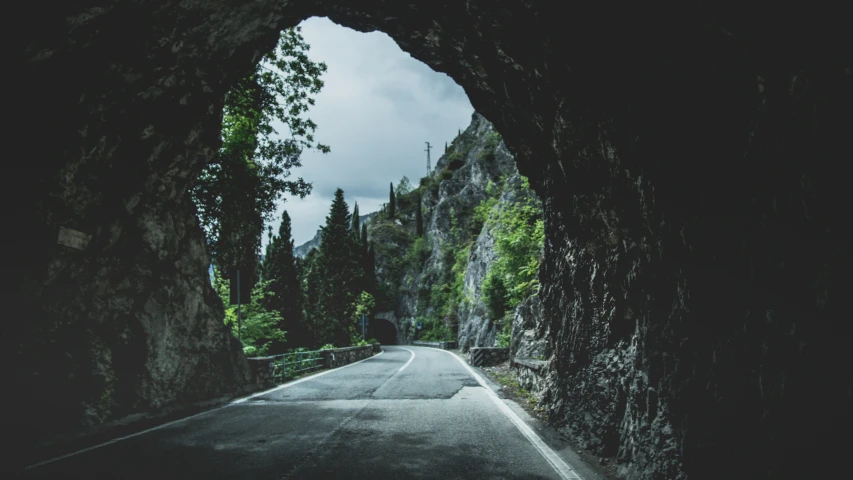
(429, 167)
(239, 320)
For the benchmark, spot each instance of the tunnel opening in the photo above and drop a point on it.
(383, 330)
(144, 101)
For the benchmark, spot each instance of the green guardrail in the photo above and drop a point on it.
(289, 365)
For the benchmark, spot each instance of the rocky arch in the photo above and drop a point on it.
(688, 158)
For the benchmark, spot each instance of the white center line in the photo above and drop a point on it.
(562, 468)
(410, 360)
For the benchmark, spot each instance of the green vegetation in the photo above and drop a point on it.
(418, 253)
(435, 330)
(279, 270)
(392, 204)
(419, 217)
(337, 278)
(261, 333)
(519, 233)
(404, 187)
(237, 191)
(455, 161)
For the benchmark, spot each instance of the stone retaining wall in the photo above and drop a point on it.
(344, 356)
(261, 369)
(486, 356)
(530, 374)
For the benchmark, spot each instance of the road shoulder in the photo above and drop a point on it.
(501, 381)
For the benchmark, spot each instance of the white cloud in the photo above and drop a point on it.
(378, 107)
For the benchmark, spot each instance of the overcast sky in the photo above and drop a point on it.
(377, 108)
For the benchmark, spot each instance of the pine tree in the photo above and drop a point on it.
(445, 147)
(392, 203)
(340, 276)
(419, 218)
(279, 268)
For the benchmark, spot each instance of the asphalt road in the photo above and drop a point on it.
(410, 412)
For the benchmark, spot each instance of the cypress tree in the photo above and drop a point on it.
(364, 239)
(279, 269)
(354, 226)
(392, 203)
(419, 218)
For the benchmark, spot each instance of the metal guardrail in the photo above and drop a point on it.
(288, 365)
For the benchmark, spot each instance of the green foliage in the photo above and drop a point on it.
(354, 226)
(455, 161)
(372, 340)
(445, 174)
(418, 253)
(328, 346)
(260, 333)
(434, 330)
(363, 305)
(279, 270)
(519, 233)
(237, 191)
(392, 203)
(495, 295)
(419, 217)
(334, 277)
(493, 139)
(505, 332)
(404, 187)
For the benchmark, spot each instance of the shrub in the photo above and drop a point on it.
(505, 333)
(445, 174)
(455, 161)
(418, 253)
(328, 346)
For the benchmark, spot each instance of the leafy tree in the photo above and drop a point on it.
(261, 333)
(279, 269)
(419, 217)
(363, 305)
(392, 203)
(237, 191)
(404, 186)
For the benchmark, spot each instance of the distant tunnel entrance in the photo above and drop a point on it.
(383, 330)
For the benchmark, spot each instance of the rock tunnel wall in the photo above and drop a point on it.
(690, 158)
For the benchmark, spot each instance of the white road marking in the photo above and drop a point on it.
(235, 402)
(410, 360)
(562, 468)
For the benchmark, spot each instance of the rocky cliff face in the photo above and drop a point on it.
(483, 159)
(689, 155)
(450, 195)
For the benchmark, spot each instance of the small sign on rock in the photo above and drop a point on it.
(73, 238)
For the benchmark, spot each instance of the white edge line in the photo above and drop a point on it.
(410, 360)
(235, 402)
(557, 463)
